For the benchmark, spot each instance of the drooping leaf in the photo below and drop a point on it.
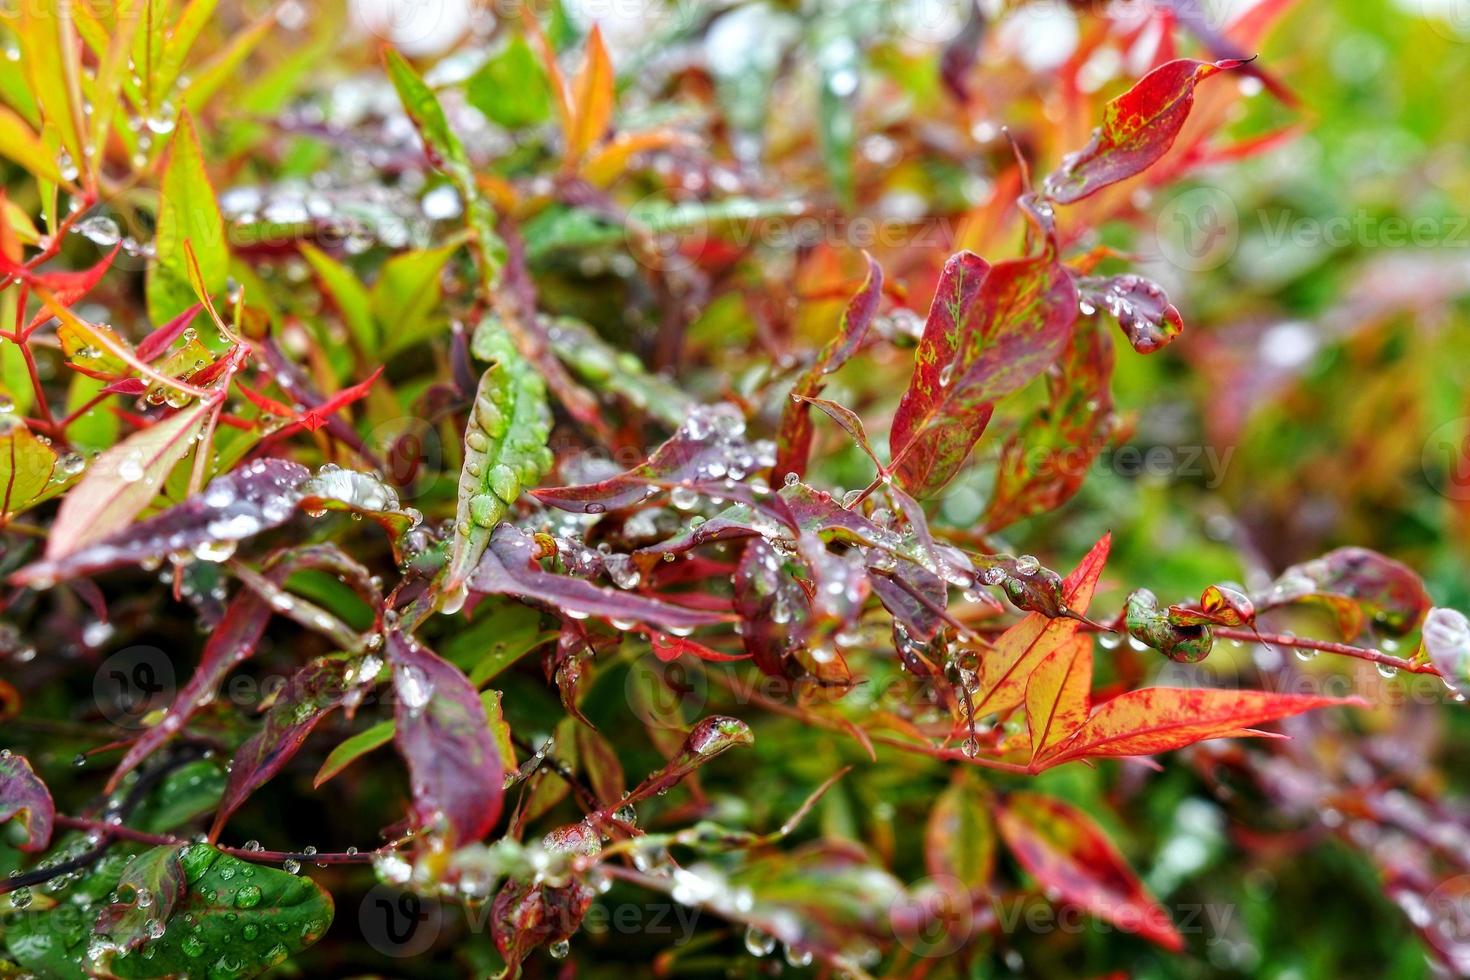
(1148, 319)
(794, 436)
(1059, 694)
(1138, 128)
(23, 794)
(775, 612)
(1160, 719)
(187, 214)
(455, 766)
(526, 915)
(233, 507)
(1147, 623)
(123, 480)
(510, 566)
(959, 840)
(1018, 322)
(1070, 856)
(504, 445)
(147, 892)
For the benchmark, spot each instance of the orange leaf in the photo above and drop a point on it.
(1004, 670)
(592, 99)
(1059, 694)
(1068, 854)
(1158, 719)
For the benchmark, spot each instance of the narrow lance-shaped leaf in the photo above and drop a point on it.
(187, 213)
(23, 794)
(446, 152)
(455, 767)
(1070, 856)
(511, 566)
(605, 368)
(123, 480)
(233, 507)
(504, 448)
(310, 695)
(27, 468)
(1018, 322)
(794, 437)
(1138, 128)
(1159, 719)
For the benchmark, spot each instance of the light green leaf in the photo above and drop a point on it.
(187, 212)
(349, 295)
(511, 88)
(406, 293)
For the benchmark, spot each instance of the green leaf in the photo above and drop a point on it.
(511, 87)
(504, 447)
(447, 153)
(146, 894)
(406, 293)
(236, 919)
(187, 792)
(187, 212)
(365, 741)
(960, 840)
(26, 467)
(605, 368)
(349, 295)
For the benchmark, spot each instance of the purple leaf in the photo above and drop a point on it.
(710, 445)
(1139, 305)
(442, 732)
(311, 694)
(23, 793)
(774, 609)
(233, 507)
(510, 566)
(524, 916)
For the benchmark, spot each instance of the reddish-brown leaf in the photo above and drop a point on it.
(1138, 128)
(1159, 719)
(442, 732)
(1069, 855)
(23, 793)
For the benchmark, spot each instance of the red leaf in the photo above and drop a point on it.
(1148, 319)
(442, 732)
(1159, 719)
(1019, 321)
(1068, 854)
(161, 339)
(667, 647)
(22, 792)
(1138, 128)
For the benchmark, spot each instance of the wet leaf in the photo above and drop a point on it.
(188, 215)
(1017, 324)
(455, 767)
(23, 794)
(1355, 583)
(27, 468)
(123, 480)
(147, 892)
(505, 448)
(1148, 319)
(231, 508)
(1138, 128)
(1059, 695)
(1446, 641)
(1147, 623)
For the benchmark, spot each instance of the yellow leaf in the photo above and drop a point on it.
(592, 99)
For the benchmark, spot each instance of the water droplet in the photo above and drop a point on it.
(759, 942)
